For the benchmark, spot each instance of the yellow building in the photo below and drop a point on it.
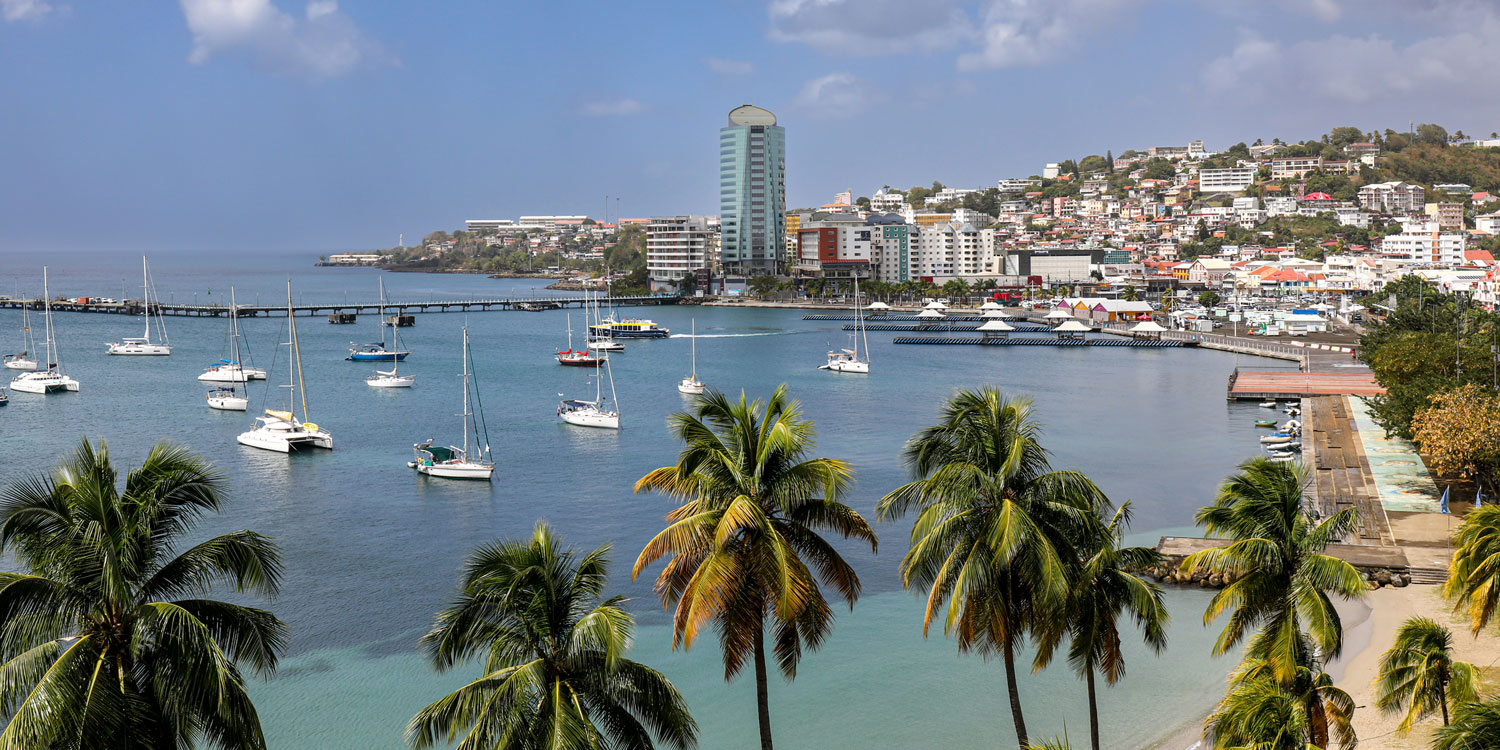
(930, 220)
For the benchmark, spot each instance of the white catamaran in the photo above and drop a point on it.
(282, 431)
(691, 384)
(230, 397)
(593, 413)
(454, 462)
(52, 379)
(143, 346)
(26, 358)
(847, 360)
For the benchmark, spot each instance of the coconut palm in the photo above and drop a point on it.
(107, 639)
(1131, 295)
(1472, 573)
(1475, 726)
(1419, 675)
(555, 676)
(1106, 587)
(994, 525)
(745, 545)
(1279, 580)
(1261, 712)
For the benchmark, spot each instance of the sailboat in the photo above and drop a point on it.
(376, 352)
(691, 384)
(24, 359)
(228, 397)
(455, 462)
(600, 342)
(232, 370)
(847, 360)
(593, 413)
(391, 378)
(282, 431)
(580, 358)
(143, 346)
(50, 380)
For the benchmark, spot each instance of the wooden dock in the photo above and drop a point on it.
(1359, 555)
(1261, 385)
(335, 308)
(1341, 470)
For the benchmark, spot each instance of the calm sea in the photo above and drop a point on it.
(372, 549)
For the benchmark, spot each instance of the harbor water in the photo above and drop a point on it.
(372, 549)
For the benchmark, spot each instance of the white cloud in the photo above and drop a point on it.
(867, 28)
(620, 107)
(1030, 32)
(25, 10)
(724, 67)
(838, 95)
(324, 43)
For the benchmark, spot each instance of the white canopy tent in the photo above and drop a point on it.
(1147, 326)
(1060, 313)
(1072, 326)
(929, 314)
(936, 305)
(990, 305)
(996, 325)
(877, 306)
(997, 313)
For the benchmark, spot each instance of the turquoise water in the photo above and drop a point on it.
(372, 549)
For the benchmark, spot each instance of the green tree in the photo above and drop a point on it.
(762, 285)
(555, 676)
(745, 542)
(1131, 294)
(995, 526)
(1472, 583)
(956, 289)
(1419, 675)
(1209, 298)
(1261, 712)
(1475, 725)
(1106, 587)
(108, 640)
(1281, 580)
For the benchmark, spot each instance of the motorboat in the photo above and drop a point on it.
(453, 462)
(1268, 404)
(376, 351)
(848, 360)
(599, 342)
(592, 413)
(390, 379)
(1280, 437)
(629, 328)
(691, 385)
(1283, 458)
(226, 398)
(1265, 423)
(143, 346)
(1294, 446)
(4, 399)
(281, 430)
(52, 379)
(579, 358)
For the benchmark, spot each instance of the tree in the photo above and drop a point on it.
(1131, 294)
(1209, 298)
(1472, 583)
(1475, 725)
(1281, 578)
(995, 526)
(1432, 134)
(1460, 434)
(1419, 675)
(745, 541)
(1104, 588)
(956, 289)
(555, 673)
(108, 639)
(1261, 712)
(762, 285)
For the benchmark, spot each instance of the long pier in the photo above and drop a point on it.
(328, 308)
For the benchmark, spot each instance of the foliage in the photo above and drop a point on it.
(1262, 712)
(1472, 584)
(1209, 298)
(995, 526)
(1160, 169)
(744, 543)
(107, 639)
(1419, 675)
(1459, 433)
(555, 676)
(1280, 577)
(761, 286)
(1475, 725)
(1429, 164)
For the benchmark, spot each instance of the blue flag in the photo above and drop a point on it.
(1443, 504)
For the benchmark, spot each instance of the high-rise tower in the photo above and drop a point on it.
(752, 192)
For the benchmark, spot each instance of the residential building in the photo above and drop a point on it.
(549, 222)
(1456, 188)
(1391, 198)
(1195, 150)
(1450, 216)
(1231, 180)
(1282, 206)
(1017, 185)
(1295, 168)
(886, 201)
(1351, 216)
(970, 216)
(491, 226)
(1050, 172)
(1357, 150)
(1055, 266)
(1209, 271)
(678, 246)
(1488, 223)
(752, 192)
(842, 247)
(948, 250)
(1170, 152)
(1422, 241)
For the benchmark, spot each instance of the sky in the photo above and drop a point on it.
(234, 125)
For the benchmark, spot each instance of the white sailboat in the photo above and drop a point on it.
(26, 358)
(690, 384)
(52, 379)
(229, 397)
(234, 369)
(282, 431)
(600, 342)
(593, 413)
(454, 462)
(376, 351)
(143, 346)
(847, 360)
(391, 378)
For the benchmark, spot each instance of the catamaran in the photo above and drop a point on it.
(691, 384)
(24, 359)
(847, 360)
(376, 352)
(451, 461)
(580, 358)
(52, 379)
(229, 397)
(233, 370)
(143, 346)
(593, 413)
(282, 431)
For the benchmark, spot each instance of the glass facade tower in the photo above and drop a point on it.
(752, 192)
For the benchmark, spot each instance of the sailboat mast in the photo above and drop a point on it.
(234, 343)
(695, 348)
(381, 314)
(858, 313)
(146, 298)
(47, 318)
(465, 415)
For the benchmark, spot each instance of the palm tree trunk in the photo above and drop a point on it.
(1443, 699)
(1015, 695)
(1317, 723)
(762, 698)
(1093, 710)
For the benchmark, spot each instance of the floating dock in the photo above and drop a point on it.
(1039, 341)
(941, 326)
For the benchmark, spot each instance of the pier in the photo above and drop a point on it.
(1038, 341)
(345, 308)
(1271, 385)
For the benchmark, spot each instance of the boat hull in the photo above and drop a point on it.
(232, 375)
(378, 356)
(140, 350)
(620, 333)
(41, 384)
(579, 362)
(691, 387)
(21, 364)
(602, 420)
(228, 403)
(404, 381)
(853, 368)
(285, 441)
(473, 471)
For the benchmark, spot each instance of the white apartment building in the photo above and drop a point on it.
(1351, 216)
(1450, 216)
(1391, 198)
(970, 216)
(1488, 223)
(1295, 168)
(1231, 180)
(944, 251)
(495, 225)
(1017, 184)
(887, 201)
(1050, 171)
(1284, 206)
(677, 246)
(548, 222)
(1422, 241)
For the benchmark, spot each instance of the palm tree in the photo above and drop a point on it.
(992, 538)
(1261, 712)
(744, 543)
(1475, 726)
(107, 639)
(1472, 583)
(1131, 295)
(1280, 578)
(1419, 675)
(555, 673)
(1106, 586)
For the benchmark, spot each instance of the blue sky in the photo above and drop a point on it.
(238, 124)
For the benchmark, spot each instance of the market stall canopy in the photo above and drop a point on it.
(997, 325)
(1072, 326)
(1149, 326)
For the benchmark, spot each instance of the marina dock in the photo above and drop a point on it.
(1039, 341)
(336, 308)
(1262, 385)
(1342, 477)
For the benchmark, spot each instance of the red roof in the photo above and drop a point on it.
(1317, 197)
(1478, 255)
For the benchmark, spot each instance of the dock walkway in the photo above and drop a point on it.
(1261, 385)
(1341, 471)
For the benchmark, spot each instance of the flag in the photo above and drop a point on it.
(1443, 504)
(1479, 497)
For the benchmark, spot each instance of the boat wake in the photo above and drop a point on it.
(729, 335)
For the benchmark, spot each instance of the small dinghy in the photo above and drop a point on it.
(1268, 404)
(1265, 423)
